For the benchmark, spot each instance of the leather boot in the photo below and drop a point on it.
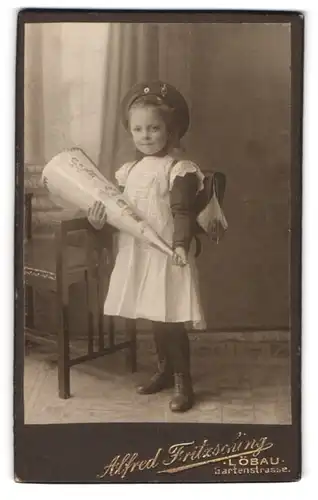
(183, 397)
(163, 378)
(179, 350)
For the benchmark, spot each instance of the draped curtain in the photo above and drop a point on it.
(76, 75)
(140, 52)
(132, 56)
(64, 82)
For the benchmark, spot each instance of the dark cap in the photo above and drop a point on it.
(168, 94)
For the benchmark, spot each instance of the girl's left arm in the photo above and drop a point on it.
(182, 199)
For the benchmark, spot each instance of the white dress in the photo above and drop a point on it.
(144, 282)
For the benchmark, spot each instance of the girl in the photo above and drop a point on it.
(146, 283)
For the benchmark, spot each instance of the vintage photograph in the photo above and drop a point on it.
(157, 235)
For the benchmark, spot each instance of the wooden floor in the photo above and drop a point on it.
(236, 380)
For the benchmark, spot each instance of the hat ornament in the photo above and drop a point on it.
(164, 90)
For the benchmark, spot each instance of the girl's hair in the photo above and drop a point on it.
(166, 113)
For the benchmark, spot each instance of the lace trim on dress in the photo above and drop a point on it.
(122, 173)
(185, 167)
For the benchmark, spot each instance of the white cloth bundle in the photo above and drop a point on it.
(212, 219)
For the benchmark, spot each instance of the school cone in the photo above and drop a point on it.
(73, 180)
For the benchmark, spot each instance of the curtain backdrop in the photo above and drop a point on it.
(132, 56)
(76, 75)
(138, 52)
(64, 84)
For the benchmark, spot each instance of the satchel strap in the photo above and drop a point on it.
(172, 164)
(219, 186)
(132, 166)
(216, 181)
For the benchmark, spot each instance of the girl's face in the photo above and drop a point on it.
(149, 131)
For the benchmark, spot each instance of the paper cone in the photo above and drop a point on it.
(73, 180)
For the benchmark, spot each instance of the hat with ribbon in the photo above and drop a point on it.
(165, 94)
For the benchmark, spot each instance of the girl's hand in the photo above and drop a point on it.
(180, 257)
(97, 215)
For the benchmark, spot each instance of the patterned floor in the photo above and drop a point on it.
(237, 379)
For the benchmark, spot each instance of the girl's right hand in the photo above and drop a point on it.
(97, 215)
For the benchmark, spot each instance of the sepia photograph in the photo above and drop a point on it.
(157, 222)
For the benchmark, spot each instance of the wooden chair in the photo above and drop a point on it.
(71, 255)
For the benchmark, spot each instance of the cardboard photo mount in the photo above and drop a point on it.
(162, 452)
